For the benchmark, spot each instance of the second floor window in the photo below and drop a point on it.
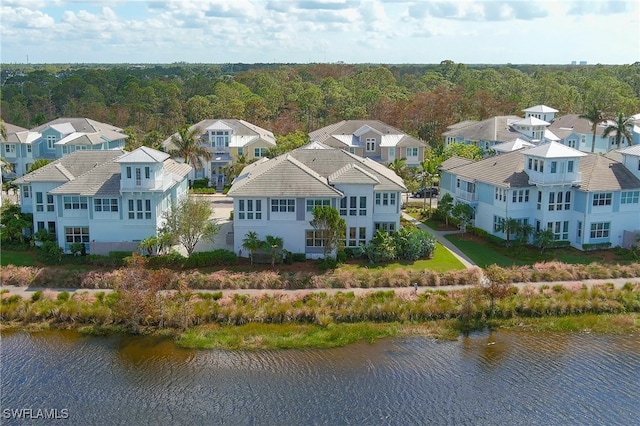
(139, 209)
(558, 200)
(10, 148)
(283, 205)
(385, 199)
(629, 197)
(250, 209)
(311, 203)
(105, 204)
(39, 202)
(75, 203)
(520, 195)
(50, 205)
(371, 144)
(50, 141)
(259, 152)
(602, 199)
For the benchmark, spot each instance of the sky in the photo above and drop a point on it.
(320, 31)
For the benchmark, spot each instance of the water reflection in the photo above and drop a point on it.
(490, 378)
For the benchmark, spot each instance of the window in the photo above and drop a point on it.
(385, 198)
(65, 149)
(106, 204)
(385, 226)
(356, 236)
(560, 230)
(629, 197)
(26, 191)
(579, 231)
(259, 152)
(29, 149)
(311, 203)
(283, 205)
(600, 230)
(51, 139)
(250, 209)
(530, 163)
(75, 203)
(363, 206)
(497, 223)
(353, 202)
(392, 151)
(76, 235)
(539, 200)
(314, 238)
(40, 226)
(602, 199)
(371, 144)
(10, 148)
(352, 150)
(39, 202)
(50, 204)
(343, 206)
(501, 194)
(147, 173)
(412, 152)
(570, 166)
(240, 151)
(128, 172)
(520, 195)
(541, 166)
(138, 176)
(554, 167)
(139, 209)
(556, 200)
(571, 143)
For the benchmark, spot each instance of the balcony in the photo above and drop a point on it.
(466, 196)
(555, 178)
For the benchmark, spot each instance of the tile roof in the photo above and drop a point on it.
(453, 162)
(70, 167)
(492, 129)
(75, 124)
(244, 133)
(344, 131)
(309, 172)
(571, 123)
(531, 121)
(598, 172)
(512, 146)
(631, 150)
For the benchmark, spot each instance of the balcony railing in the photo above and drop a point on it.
(467, 196)
(555, 178)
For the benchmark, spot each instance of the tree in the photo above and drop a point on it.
(544, 238)
(3, 130)
(445, 206)
(495, 285)
(381, 248)
(595, 116)
(251, 243)
(234, 168)
(188, 147)
(188, 222)
(508, 226)
(41, 162)
(148, 245)
(429, 171)
(272, 245)
(525, 231)
(330, 227)
(288, 142)
(399, 167)
(15, 224)
(471, 152)
(621, 126)
(463, 213)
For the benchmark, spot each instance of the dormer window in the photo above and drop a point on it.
(371, 144)
(51, 139)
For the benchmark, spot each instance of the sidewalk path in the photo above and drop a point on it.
(26, 292)
(439, 235)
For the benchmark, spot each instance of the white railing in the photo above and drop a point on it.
(555, 178)
(467, 196)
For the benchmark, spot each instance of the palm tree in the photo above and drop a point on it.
(188, 147)
(233, 169)
(595, 115)
(273, 244)
(525, 231)
(509, 226)
(399, 166)
(429, 172)
(251, 242)
(622, 128)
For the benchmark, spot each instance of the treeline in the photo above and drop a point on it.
(422, 100)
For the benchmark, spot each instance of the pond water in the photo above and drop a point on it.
(506, 378)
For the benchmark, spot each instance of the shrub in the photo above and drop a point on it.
(210, 258)
(299, 257)
(63, 296)
(50, 253)
(36, 296)
(173, 260)
(200, 183)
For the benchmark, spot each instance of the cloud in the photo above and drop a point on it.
(325, 4)
(599, 7)
(22, 17)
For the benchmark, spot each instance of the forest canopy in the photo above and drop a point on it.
(421, 100)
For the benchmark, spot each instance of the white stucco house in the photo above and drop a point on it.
(108, 200)
(585, 199)
(276, 197)
(371, 139)
(227, 139)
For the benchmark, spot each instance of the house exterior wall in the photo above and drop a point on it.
(632, 162)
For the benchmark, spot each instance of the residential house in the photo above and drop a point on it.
(584, 198)
(17, 150)
(576, 132)
(371, 139)
(228, 139)
(276, 197)
(56, 139)
(108, 200)
(63, 136)
(504, 129)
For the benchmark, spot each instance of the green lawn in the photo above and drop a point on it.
(442, 261)
(482, 254)
(18, 258)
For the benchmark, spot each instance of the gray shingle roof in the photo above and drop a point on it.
(600, 173)
(84, 125)
(244, 133)
(570, 123)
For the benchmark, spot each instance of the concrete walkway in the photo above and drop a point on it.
(439, 235)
